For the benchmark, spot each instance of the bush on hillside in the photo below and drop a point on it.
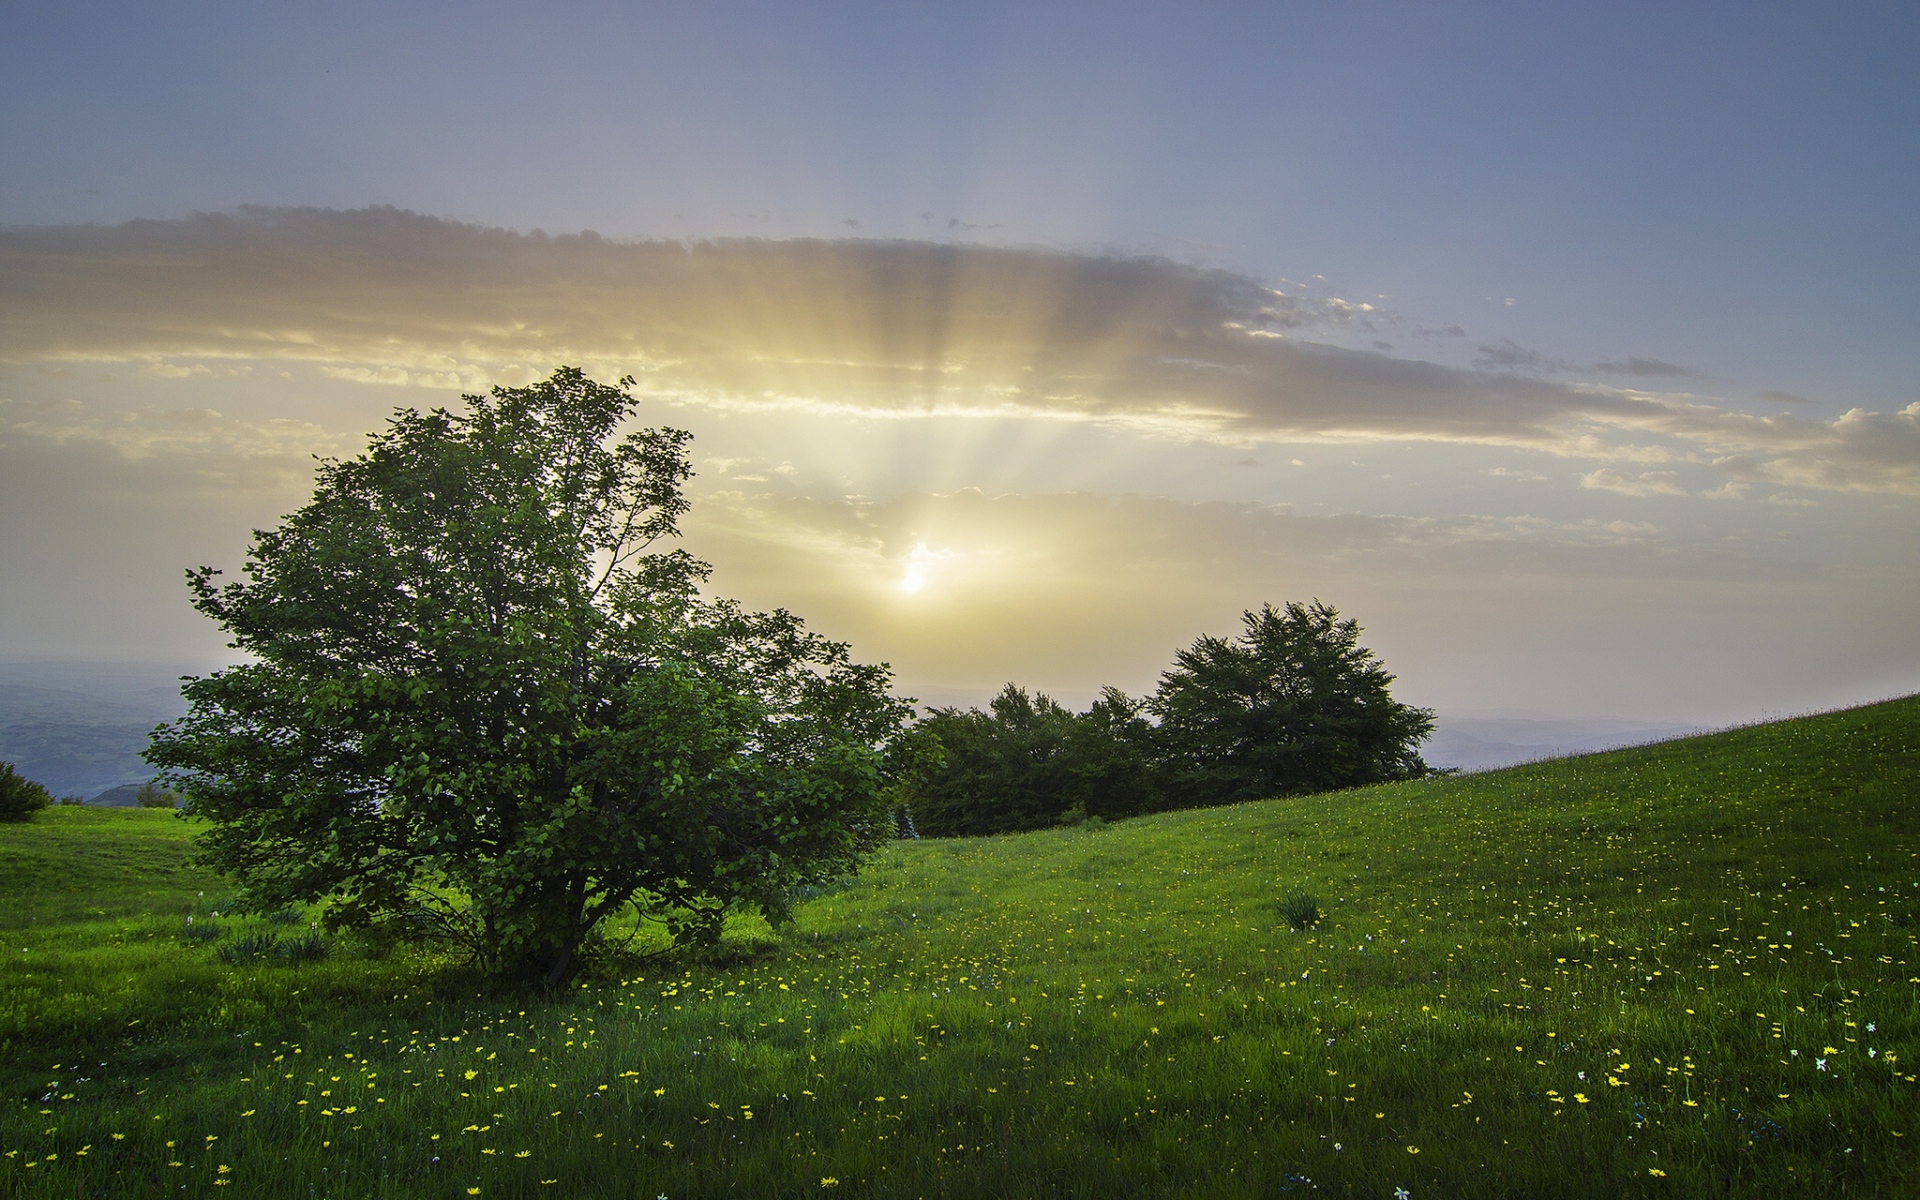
(1111, 759)
(20, 797)
(1000, 770)
(1029, 763)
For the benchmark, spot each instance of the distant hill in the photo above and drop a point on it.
(1486, 743)
(127, 795)
(78, 728)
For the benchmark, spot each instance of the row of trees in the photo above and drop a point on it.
(1293, 705)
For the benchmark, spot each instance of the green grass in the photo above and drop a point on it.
(1672, 970)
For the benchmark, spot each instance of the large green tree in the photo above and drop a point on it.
(484, 704)
(1294, 705)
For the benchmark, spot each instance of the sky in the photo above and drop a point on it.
(1575, 352)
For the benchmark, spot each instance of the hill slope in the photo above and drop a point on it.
(1674, 969)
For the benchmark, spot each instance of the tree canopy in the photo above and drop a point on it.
(1293, 705)
(486, 705)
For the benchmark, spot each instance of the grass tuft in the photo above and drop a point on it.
(311, 946)
(246, 948)
(1300, 911)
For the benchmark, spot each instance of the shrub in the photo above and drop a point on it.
(1300, 911)
(20, 797)
(204, 931)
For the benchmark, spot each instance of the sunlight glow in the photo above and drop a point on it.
(917, 564)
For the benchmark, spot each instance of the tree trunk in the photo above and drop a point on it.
(559, 966)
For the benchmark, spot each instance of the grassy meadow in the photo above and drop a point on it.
(1683, 969)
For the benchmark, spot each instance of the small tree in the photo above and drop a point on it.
(152, 795)
(20, 798)
(485, 707)
(1294, 705)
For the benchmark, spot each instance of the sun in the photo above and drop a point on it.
(919, 569)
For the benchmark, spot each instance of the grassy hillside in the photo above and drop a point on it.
(1680, 969)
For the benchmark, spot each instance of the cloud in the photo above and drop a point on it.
(1645, 368)
(1885, 444)
(401, 377)
(1509, 355)
(165, 370)
(870, 329)
(194, 448)
(1645, 483)
(1858, 451)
